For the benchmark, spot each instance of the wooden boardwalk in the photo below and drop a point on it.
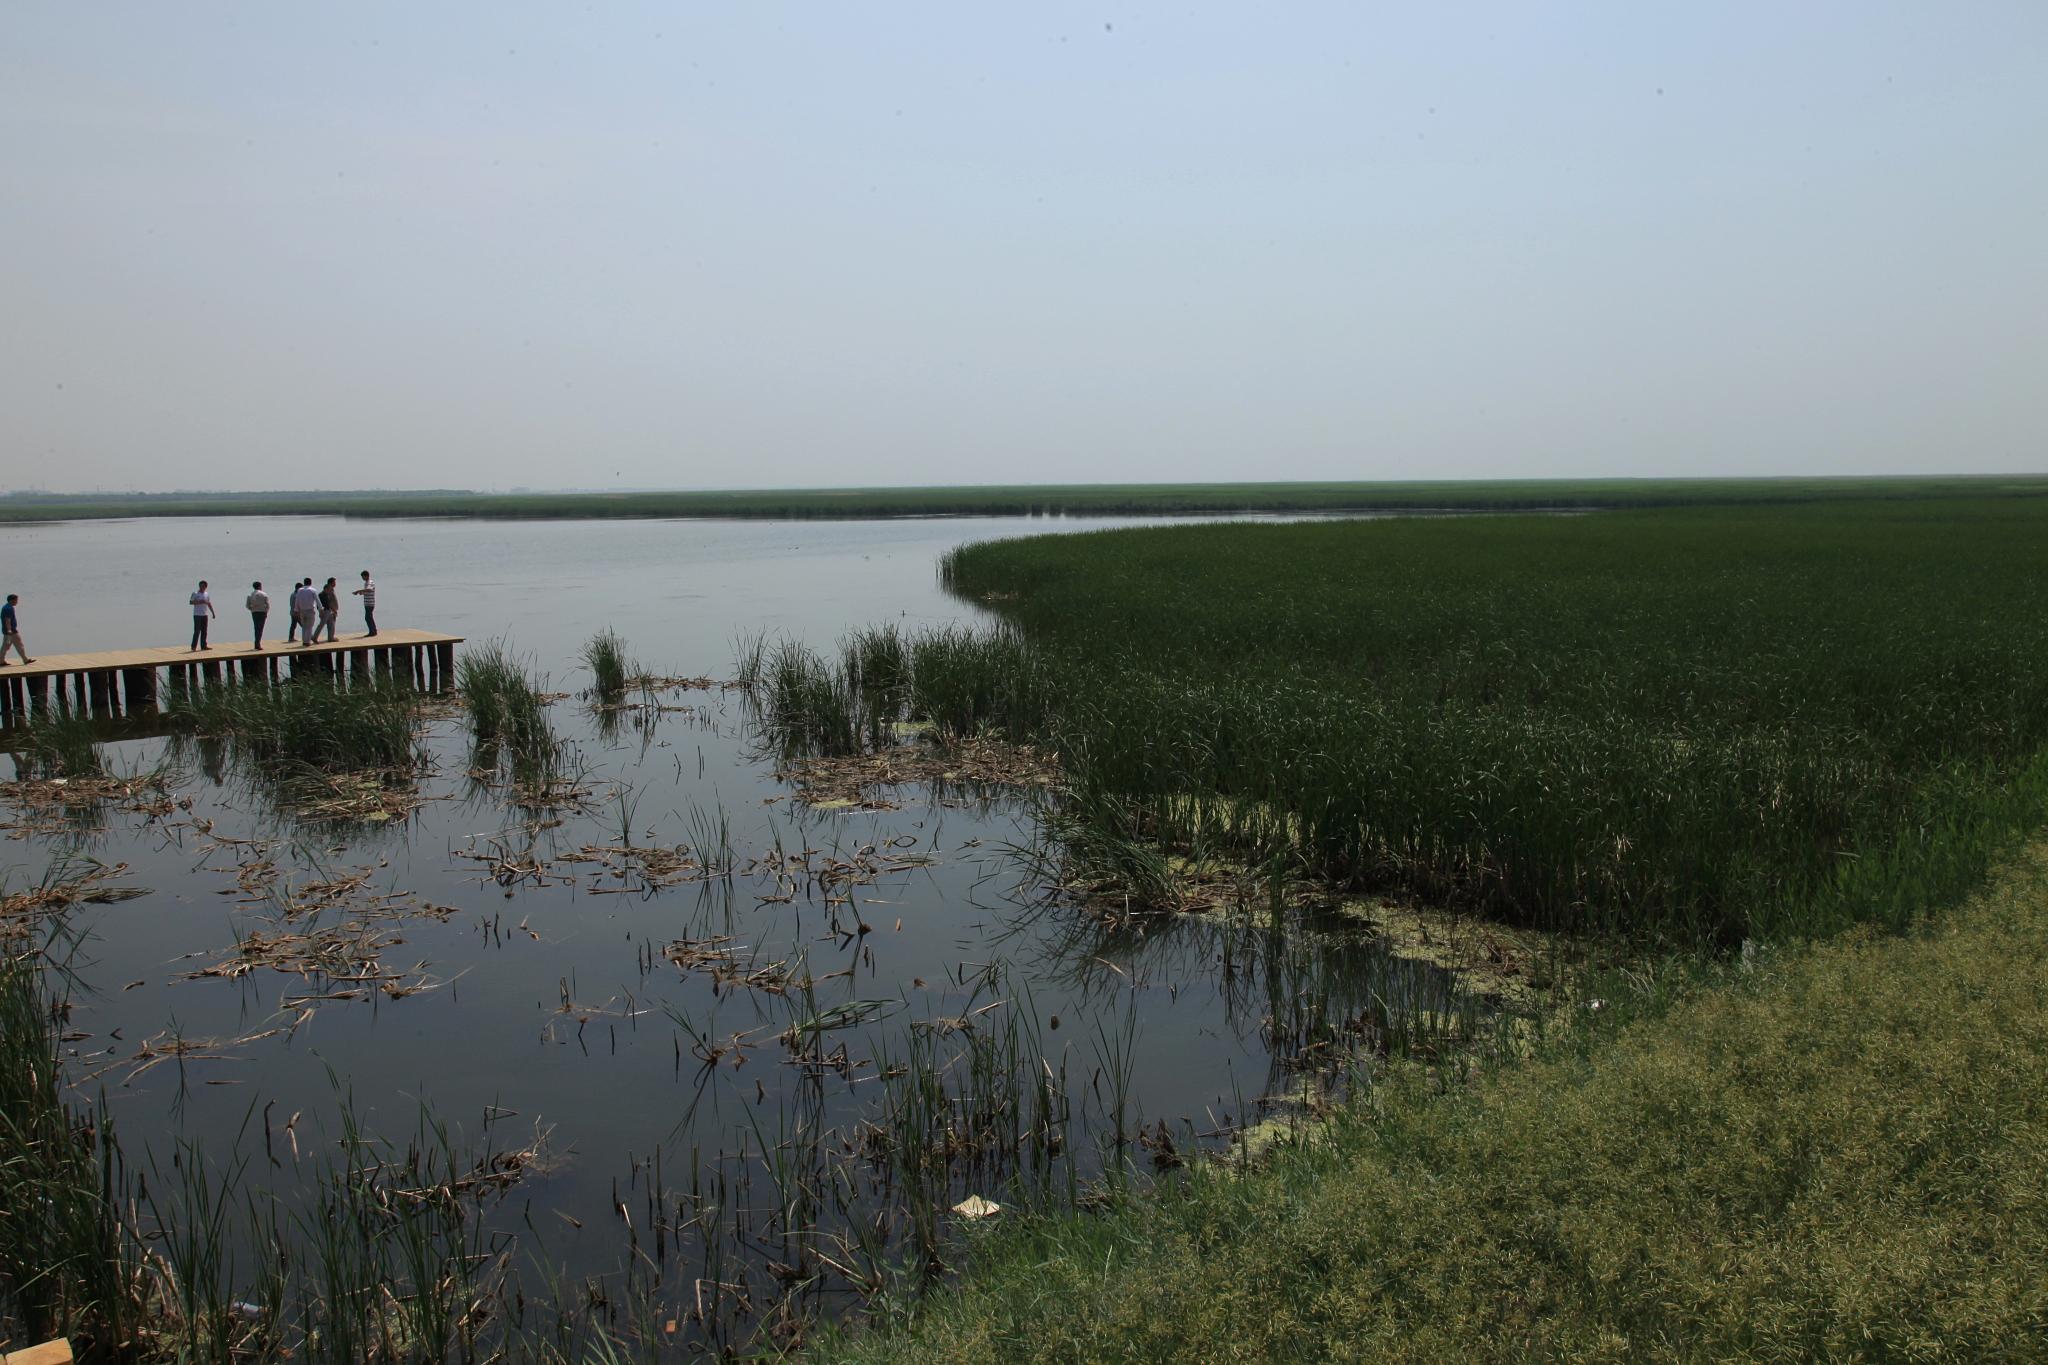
(127, 679)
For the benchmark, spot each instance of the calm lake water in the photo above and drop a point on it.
(549, 1000)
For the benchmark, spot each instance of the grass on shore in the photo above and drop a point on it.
(1838, 1155)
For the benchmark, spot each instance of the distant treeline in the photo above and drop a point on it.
(1022, 499)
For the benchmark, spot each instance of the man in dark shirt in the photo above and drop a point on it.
(10, 631)
(330, 608)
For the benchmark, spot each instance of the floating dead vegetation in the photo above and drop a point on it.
(510, 866)
(342, 958)
(368, 798)
(96, 885)
(56, 805)
(616, 869)
(658, 683)
(634, 869)
(547, 792)
(956, 772)
(644, 692)
(170, 1046)
(723, 960)
(831, 876)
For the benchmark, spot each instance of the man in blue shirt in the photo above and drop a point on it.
(10, 632)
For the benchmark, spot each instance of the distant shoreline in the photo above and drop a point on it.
(847, 504)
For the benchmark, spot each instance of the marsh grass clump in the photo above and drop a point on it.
(505, 702)
(611, 672)
(811, 707)
(509, 727)
(886, 683)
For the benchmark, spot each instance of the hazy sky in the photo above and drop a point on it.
(754, 245)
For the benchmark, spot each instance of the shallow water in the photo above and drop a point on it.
(547, 1001)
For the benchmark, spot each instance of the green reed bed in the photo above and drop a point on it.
(1693, 724)
(1145, 499)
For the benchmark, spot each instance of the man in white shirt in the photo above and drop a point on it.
(259, 610)
(304, 603)
(368, 592)
(202, 612)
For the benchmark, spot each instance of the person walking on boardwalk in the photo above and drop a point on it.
(10, 631)
(202, 612)
(259, 610)
(330, 610)
(368, 592)
(304, 601)
(291, 610)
